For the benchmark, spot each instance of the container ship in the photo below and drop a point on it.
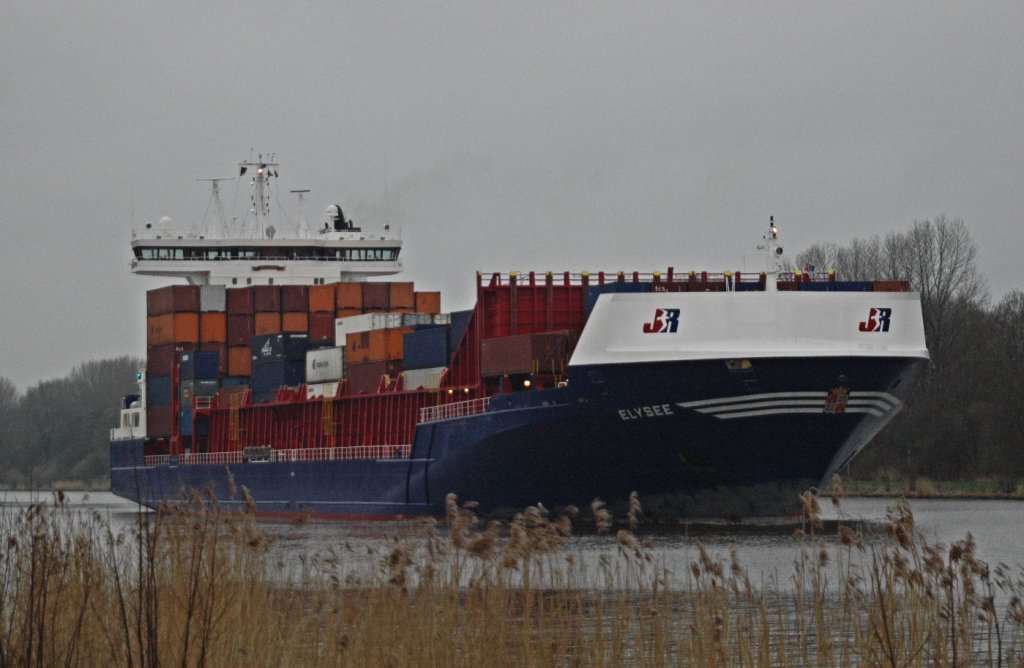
(285, 366)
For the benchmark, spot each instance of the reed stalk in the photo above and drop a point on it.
(194, 585)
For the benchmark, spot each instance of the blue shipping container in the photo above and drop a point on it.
(272, 375)
(426, 348)
(235, 381)
(199, 365)
(185, 422)
(749, 287)
(816, 287)
(595, 291)
(158, 391)
(278, 347)
(855, 286)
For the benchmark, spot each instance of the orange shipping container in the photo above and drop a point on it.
(295, 322)
(402, 297)
(321, 298)
(386, 344)
(213, 327)
(172, 328)
(357, 345)
(428, 302)
(239, 361)
(349, 296)
(348, 312)
(267, 323)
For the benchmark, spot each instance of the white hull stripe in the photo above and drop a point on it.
(755, 397)
(782, 403)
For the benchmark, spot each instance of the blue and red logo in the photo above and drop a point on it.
(666, 321)
(878, 320)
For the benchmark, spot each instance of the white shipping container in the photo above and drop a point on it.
(212, 298)
(428, 379)
(325, 364)
(369, 322)
(322, 390)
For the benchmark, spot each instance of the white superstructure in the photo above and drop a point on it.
(254, 252)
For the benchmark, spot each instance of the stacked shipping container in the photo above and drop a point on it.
(233, 325)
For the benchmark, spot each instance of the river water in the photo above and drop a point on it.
(767, 549)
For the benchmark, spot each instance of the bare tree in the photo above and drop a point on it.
(943, 268)
(821, 255)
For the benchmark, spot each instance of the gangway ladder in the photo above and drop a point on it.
(234, 426)
(328, 420)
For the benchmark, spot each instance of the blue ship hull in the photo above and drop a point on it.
(692, 438)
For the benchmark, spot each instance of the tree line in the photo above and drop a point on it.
(966, 418)
(57, 432)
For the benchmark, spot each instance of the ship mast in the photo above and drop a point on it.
(773, 261)
(259, 201)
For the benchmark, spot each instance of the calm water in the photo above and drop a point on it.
(765, 549)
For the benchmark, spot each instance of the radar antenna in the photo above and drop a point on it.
(303, 227)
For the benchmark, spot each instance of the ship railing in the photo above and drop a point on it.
(294, 455)
(457, 409)
(570, 278)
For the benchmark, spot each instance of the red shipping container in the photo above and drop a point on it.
(172, 328)
(239, 301)
(213, 327)
(295, 322)
(241, 329)
(787, 286)
(891, 286)
(172, 299)
(525, 353)
(294, 298)
(376, 297)
(240, 361)
(366, 378)
(321, 298)
(266, 298)
(348, 296)
(348, 312)
(267, 323)
(321, 327)
(160, 360)
(159, 420)
(428, 302)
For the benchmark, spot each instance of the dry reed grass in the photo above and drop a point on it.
(192, 585)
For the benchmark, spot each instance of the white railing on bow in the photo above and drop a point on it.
(299, 455)
(458, 409)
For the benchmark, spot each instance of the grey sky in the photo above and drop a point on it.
(521, 135)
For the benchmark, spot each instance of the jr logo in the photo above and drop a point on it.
(666, 321)
(878, 320)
